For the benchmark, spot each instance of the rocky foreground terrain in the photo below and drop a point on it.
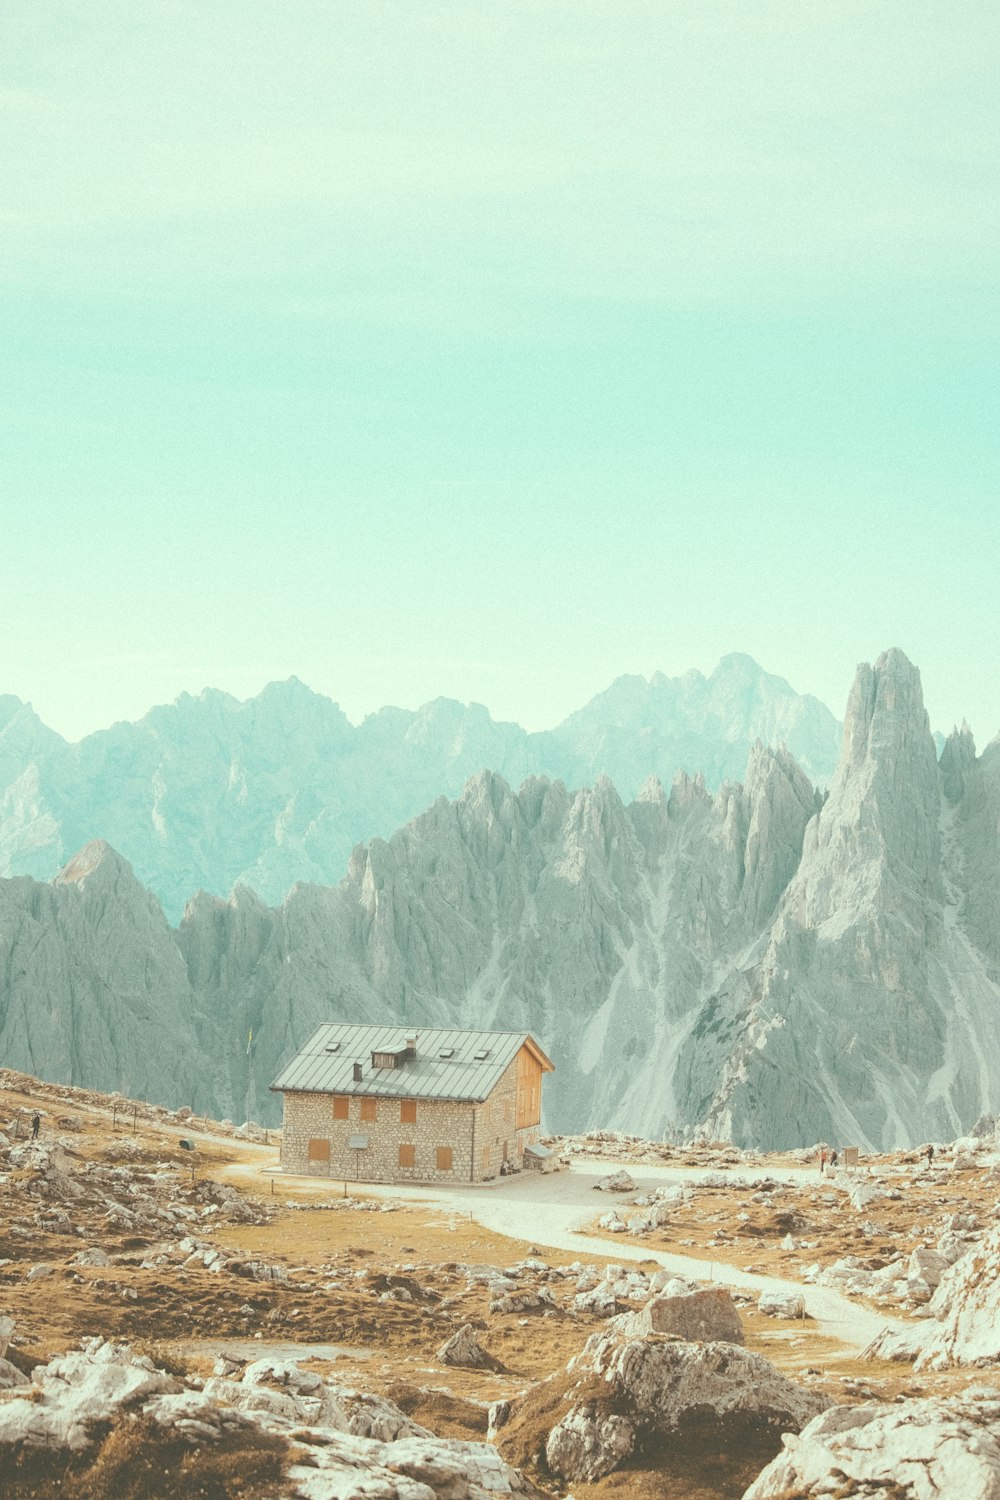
(177, 1320)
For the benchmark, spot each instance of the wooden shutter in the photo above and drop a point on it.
(369, 1109)
(444, 1163)
(319, 1150)
(341, 1107)
(407, 1156)
(407, 1111)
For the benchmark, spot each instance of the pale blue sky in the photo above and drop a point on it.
(495, 350)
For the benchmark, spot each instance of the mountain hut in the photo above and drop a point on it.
(394, 1104)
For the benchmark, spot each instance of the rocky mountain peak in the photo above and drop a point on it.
(9, 706)
(885, 713)
(687, 791)
(652, 791)
(23, 737)
(958, 757)
(288, 690)
(95, 858)
(737, 665)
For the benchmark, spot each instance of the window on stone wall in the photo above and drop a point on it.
(369, 1110)
(407, 1156)
(444, 1159)
(319, 1150)
(341, 1107)
(407, 1111)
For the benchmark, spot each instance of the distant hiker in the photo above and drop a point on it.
(930, 1156)
(822, 1160)
(36, 1125)
(833, 1158)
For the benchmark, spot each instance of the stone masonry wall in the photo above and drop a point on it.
(439, 1123)
(476, 1134)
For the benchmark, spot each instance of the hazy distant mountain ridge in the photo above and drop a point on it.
(698, 724)
(212, 792)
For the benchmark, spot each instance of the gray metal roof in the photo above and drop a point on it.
(325, 1065)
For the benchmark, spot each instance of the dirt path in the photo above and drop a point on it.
(553, 1210)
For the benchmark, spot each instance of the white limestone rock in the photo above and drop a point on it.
(78, 1390)
(782, 1304)
(586, 1444)
(965, 1308)
(256, 1399)
(464, 1350)
(615, 1182)
(348, 1445)
(900, 1344)
(708, 1314)
(338, 1464)
(348, 1468)
(663, 1380)
(612, 1222)
(92, 1256)
(499, 1416)
(912, 1450)
(600, 1300)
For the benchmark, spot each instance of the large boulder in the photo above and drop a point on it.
(589, 1444)
(931, 1449)
(615, 1182)
(706, 1315)
(464, 1350)
(664, 1379)
(623, 1391)
(782, 1304)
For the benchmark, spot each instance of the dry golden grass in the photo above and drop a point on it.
(138, 1461)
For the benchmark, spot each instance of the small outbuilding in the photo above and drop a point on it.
(394, 1104)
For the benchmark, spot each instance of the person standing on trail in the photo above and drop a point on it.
(36, 1125)
(833, 1158)
(822, 1160)
(930, 1156)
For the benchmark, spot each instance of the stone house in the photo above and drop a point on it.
(397, 1104)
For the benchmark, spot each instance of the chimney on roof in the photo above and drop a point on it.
(358, 1072)
(411, 1045)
